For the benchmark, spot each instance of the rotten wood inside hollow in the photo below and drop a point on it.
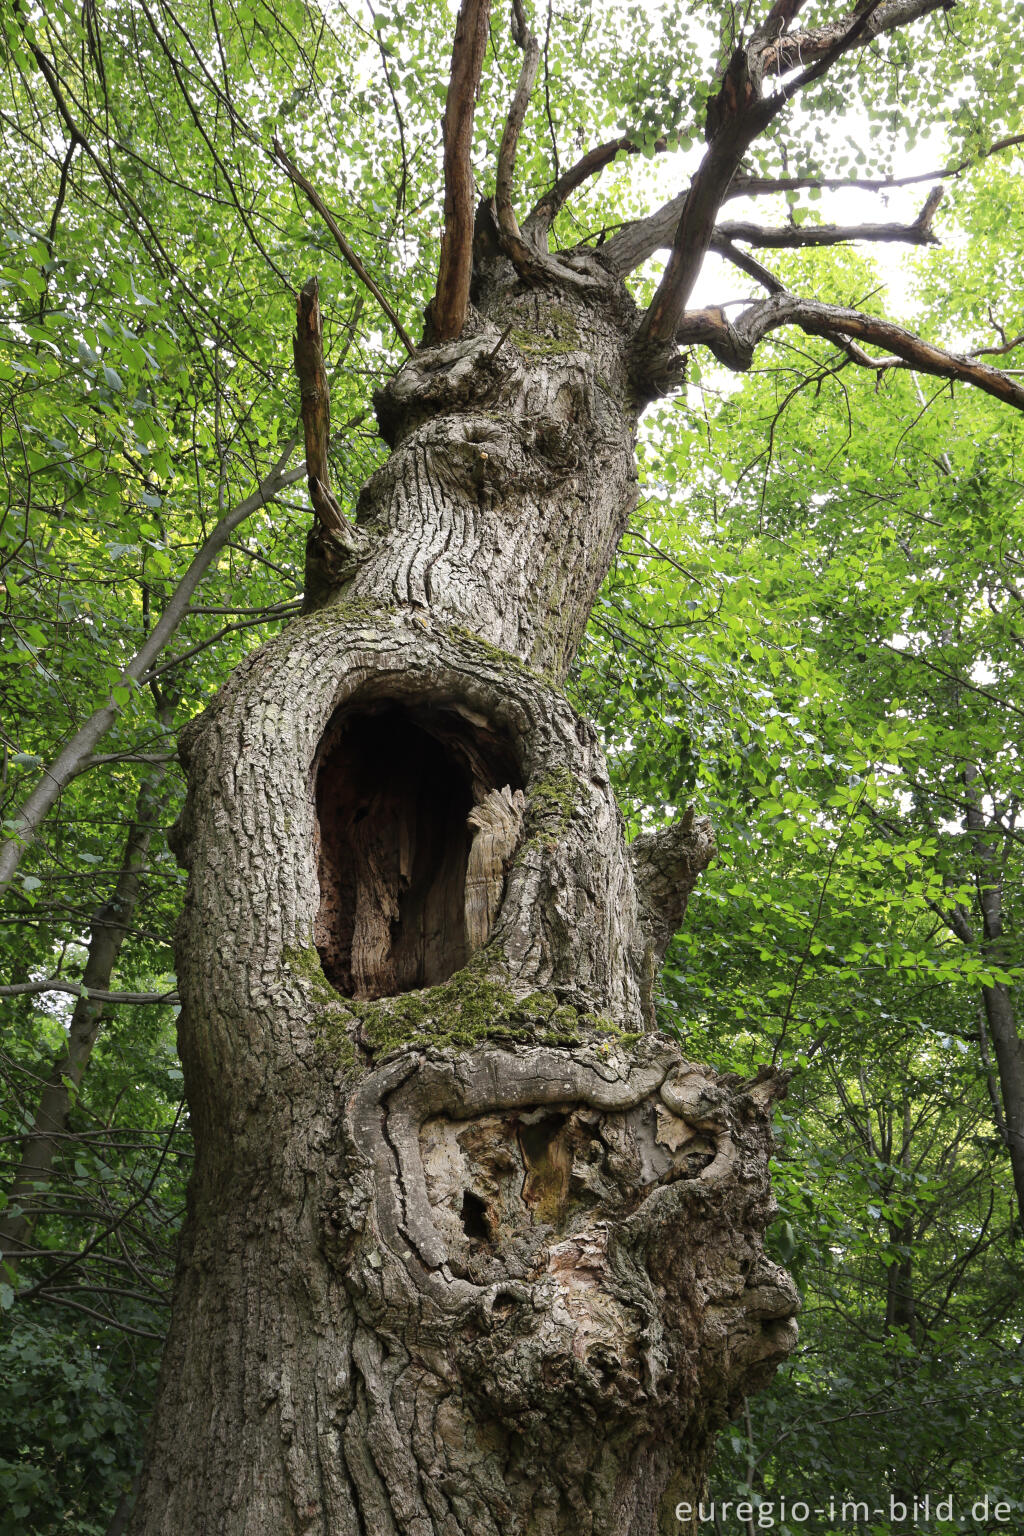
(497, 824)
(417, 820)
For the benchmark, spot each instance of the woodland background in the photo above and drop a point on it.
(814, 631)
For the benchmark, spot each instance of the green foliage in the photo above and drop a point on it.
(68, 1426)
(821, 596)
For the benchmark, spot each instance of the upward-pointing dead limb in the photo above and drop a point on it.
(447, 312)
(334, 542)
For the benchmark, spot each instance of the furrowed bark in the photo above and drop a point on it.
(760, 186)
(470, 1247)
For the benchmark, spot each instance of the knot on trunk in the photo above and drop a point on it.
(449, 378)
(657, 369)
(666, 866)
(333, 555)
(569, 1247)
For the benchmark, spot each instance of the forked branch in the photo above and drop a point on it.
(738, 114)
(529, 257)
(447, 310)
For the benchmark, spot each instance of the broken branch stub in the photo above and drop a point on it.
(666, 867)
(334, 544)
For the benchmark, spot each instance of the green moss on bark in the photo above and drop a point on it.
(462, 1012)
(560, 336)
(551, 801)
(493, 654)
(465, 1011)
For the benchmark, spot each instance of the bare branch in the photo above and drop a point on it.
(77, 989)
(531, 260)
(79, 750)
(399, 120)
(307, 346)
(333, 543)
(1007, 346)
(590, 164)
(736, 116)
(746, 263)
(733, 342)
(633, 245)
(795, 236)
(317, 202)
(526, 40)
(762, 186)
(272, 615)
(447, 311)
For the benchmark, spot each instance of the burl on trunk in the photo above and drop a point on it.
(471, 1248)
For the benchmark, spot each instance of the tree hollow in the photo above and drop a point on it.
(395, 785)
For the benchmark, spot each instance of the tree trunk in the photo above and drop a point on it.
(470, 1247)
(997, 999)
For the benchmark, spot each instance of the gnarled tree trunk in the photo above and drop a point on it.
(470, 1247)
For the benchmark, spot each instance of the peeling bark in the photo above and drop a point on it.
(470, 1248)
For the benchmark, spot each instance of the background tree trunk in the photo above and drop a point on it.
(470, 1248)
(30, 1184)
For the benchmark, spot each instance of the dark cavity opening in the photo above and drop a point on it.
(537, 1135)
(474, 1217)
(545, 1143)
(395, 784)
